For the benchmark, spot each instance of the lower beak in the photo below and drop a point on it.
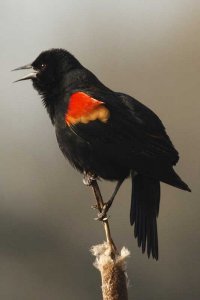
(31, 75)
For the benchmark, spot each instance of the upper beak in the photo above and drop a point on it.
(31, 75)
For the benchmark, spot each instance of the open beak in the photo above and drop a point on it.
(31, 75)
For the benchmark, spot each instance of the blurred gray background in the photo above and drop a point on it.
(148, 49)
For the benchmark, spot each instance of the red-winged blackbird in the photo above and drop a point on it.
(109, 135)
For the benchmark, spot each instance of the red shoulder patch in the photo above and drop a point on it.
(82, 108)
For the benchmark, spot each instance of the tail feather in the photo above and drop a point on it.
(144, 211)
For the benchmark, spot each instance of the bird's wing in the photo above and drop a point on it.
(148, 127)
(116, 120)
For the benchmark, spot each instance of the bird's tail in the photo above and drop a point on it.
(145, 201)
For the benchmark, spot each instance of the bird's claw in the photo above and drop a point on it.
(101, 218)
(102, 215)
(94, 206)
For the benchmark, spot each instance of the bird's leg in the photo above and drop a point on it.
(108, 204)
(88, 178)
(100, 205)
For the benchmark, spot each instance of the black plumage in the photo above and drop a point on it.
(119, 137)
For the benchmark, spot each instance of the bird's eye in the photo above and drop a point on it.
(43, 66)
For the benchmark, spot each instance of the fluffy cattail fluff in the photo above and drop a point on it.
(113, 271)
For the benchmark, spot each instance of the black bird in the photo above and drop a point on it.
(109, 135)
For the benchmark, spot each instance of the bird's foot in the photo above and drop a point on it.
(88, 178)
(102, 216)
(94, 206)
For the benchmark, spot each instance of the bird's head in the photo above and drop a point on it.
(49, 69)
